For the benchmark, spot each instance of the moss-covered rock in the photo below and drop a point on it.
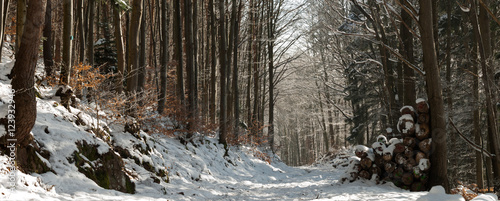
(106, 169)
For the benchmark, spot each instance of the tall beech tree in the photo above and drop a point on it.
(23, 82)
(439, 171)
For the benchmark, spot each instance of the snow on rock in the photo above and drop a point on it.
(438, 193)
(486, 197)
(419, 100)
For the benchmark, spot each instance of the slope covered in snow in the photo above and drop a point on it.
(162, 168)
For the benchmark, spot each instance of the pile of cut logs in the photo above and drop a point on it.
(403, 161)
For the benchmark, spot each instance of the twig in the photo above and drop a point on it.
(472, 144)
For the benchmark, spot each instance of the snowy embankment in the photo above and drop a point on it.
(162, 168)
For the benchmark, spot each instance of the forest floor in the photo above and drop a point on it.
(196, 171)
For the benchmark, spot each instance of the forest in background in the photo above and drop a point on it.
(302, 78)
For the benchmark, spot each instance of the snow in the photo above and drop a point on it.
(395, 141)
(407, 107)
(361, 148)
(382, 138)
(389, 149)
(379, 147)
(423, 164)
(198, 171)
(388, 130)
(438, 193)
(486, 197)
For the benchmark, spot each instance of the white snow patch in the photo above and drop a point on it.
(407, 107)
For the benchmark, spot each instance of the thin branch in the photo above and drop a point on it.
(470, 143)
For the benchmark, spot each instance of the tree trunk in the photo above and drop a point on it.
(20, 21)
(270, 50)
(24, 78)
(164, 57)
(120, 52)
(409, 96)
(133, 44)
(213, 65)
(222, 61)
(90, 37)
(141, 76)
(81, 29)
(439, 174)
(67, 42)
(481, 27)
(190, 71)
(178, 51)
(47, 43)
(236, 95)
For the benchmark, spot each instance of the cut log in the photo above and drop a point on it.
(365, 174)
(375, 170)
(424, 177)
(400, 159)
(417, 173)
(410, 142)
(408, 167)
(417, 186)
(420, 155)
(407, 178)
(425, 145)
(357, 168)
(423, 118)
(379, 161)
(390, 167)
(398, 173)
(406, 125)
(422, 106)
(361, 151)
(399, 148)
(409, 152)
(387, 156)
(423, 132)
(366, 163)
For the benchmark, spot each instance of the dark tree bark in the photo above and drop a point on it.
(67, 42)
(20, 22)
(236, 96)
(439, 171)
(164, 57)
(270, 51)
(81, 29)
(120, 51)
(409, 96)
(141, 76)
(47, 43)
(24, 78)
(213, 64)
(178, 51)
(90, 37)
(133, 44)
(190, 71)
(223, 70)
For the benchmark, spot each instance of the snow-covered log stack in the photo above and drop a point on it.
(403, 161)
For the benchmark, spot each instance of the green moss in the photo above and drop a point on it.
(130, 186)
(102, 179)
